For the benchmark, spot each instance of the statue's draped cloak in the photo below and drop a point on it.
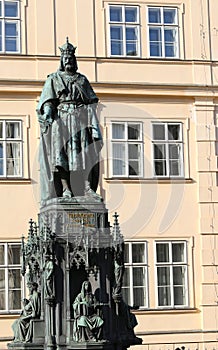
(23, 327)
(73, 141)
(84, 314)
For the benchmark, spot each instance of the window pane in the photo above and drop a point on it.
(115, 14)
(1, 160)
(126, 278)
(160, 168)
(116, 40)
(131, 41)
(2, 299)
(174, 132)
(13, 254)
(170, 16)
(11, 9)
(155, 40)
(116, 33)
(138, 276)
(11, 37)
(14, 299)
(11, 29)
(14, 278)
(13, 130)
(119, 166)
(138, 253)
(2, 254)
(0, 8)
(178, 252)
(133, 150)
(126, 295)
(139, 296)
(126, 253)
(170, 36)
(162, 252)
(179, 296)
(1, 130)
(134, 168)
(118, 131)
(175, 168)
(13, 153)
(130, 14)
(178, 275)
(163, 276)
(164, 296)
(159, 151)
(154, 15)
(159, 132)
(174, 151)
(134, 132)
(2, 279)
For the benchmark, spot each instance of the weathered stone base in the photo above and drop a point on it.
(26, 346)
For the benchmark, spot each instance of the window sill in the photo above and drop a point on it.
(178, 310)
(165, 180)
(15, 180)
(6, 315)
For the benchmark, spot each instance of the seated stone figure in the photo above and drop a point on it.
(87, 323)
(23, 327)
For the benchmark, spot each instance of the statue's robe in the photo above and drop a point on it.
(86, 320)
(73, 141)
(23, 327)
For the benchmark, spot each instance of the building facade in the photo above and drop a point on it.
(153, 65)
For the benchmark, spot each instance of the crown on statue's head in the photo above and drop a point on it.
(67, 48)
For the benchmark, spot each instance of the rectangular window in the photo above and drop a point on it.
(124, 30)
(9, 26)
(127, 149)
(171, 267)
(10, 277)
(167, 149)
(10, 148)
(135, 286)
(163, 31)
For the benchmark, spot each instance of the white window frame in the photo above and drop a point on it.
(168, 142)
(6, 267)
(124, 25)
(4, 140)
(4, 19)
(130, 265)
(172, 264)
(162, 26)
(126, 142)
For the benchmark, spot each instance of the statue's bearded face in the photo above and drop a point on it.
(68, 62)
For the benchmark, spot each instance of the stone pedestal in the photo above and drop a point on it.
(74, 243)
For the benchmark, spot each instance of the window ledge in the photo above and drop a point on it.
(6, 315)
(179, 310)
(18, 180)
(165, 180)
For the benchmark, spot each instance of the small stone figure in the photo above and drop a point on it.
(118, 272)
(23, 327)
(70, 135)
(48, 271)
(87, 323)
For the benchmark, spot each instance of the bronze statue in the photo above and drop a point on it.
(87, 323)
(70, 135)
(23, 327)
